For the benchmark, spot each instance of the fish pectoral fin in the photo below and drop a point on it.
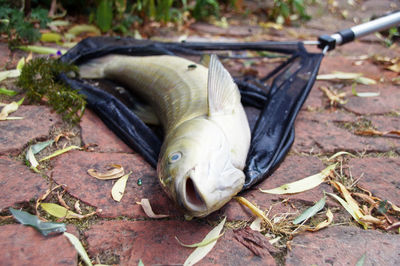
(223, 94)
(146, 114)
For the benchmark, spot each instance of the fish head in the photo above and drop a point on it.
(196, 170)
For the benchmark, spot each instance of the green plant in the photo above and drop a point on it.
(19, 28)
(285, 8)
(205, 8)
(39, 79)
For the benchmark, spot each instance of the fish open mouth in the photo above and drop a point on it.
(193, 201)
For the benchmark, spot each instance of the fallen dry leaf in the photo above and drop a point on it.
(334, 98)
(304, 184)
(200, 252)
(115, 172)
(256, 211)
(118, 190)
(145, 203)
(323, 224)
(373, 132)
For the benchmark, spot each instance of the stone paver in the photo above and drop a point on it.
(344, 245)
(154, 243)
(36, 124)
(71, 169)
(18, 183)
(23, 245)
(322, 132)
(94, 131)
(378, 175)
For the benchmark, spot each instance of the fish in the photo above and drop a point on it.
(207, 135)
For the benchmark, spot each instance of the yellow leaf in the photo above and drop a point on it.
(31, 158)
(14, 73)
(339, 154)
(347, 196)
(8, 109)
(79, 248)
(59, 152)
(116, 172)
(323, 224)
(59, 211)
(304, 184)
(51, 37)
(354, 213)
(199, 244)
(41, 49)
(117, 192)
(145, 203)
(21, 63)
(256, 211)
(200, 252)
(78, 29)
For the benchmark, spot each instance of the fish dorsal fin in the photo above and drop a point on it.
(223, 94)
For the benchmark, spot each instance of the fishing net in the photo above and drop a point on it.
(278, 96)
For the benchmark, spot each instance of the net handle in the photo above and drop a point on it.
(358, 31)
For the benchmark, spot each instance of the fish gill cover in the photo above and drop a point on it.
(278, 96)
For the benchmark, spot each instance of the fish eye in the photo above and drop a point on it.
(174, 157)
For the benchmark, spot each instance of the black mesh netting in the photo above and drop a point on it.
(278, 96)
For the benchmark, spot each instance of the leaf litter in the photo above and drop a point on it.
(145, 203)
(118, 190)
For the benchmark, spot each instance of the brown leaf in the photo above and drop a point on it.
(149, 211)
(116, 171)
(334, 98)
(373, 132)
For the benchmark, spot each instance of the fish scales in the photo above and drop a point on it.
(177, 96)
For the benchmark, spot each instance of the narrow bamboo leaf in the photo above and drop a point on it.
(8, 109)
(21, 63)
(339, 154)
(13, 73)
(349, 209)
(59, 211)
(200, 252)
(118, 190)
(347, 196)
(116, 172)
(310, 212)
(145, 203)
(59, 152)
(41, 49)
(58, 23)
(79, 248)
(140, 263)
(31, 158)
(365, 81)
(79, 29)
(199, 244)
(51, 37)
(361, 260)
(38, 147)
(323, 224)
(7, 92)
(368, 94)
(304, 184)
(256, 211)
(43, 227)
(339, 75)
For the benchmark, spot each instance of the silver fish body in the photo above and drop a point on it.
(207, 135)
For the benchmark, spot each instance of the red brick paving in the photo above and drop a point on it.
(37, 122)
(344, 245)
(123, 234)
(93, 131)
(18, 183)
(154, 243)
(23, 245)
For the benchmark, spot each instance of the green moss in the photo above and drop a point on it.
(39, 80)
